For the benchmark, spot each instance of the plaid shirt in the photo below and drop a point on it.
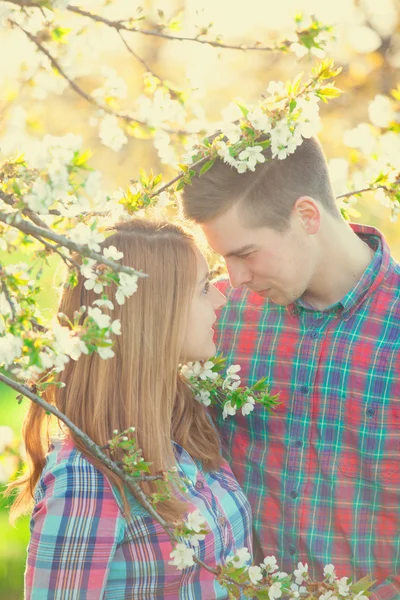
(82, 547)
(323, 472)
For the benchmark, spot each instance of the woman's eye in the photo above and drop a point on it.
(206, 288)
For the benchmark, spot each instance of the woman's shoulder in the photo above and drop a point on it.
(67, 470)
(69, 473)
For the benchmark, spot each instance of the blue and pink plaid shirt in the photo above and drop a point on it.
(322, 472)
(82, 548)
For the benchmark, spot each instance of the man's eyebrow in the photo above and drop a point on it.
(242, 250)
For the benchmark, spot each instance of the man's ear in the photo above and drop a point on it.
(308, 212)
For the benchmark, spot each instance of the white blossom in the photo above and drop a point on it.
(276, 88)
(270, 564)
(92, 183)
(204, 397)
(255, 574)
(127, 287)
(40, 197)
(275, 591)
(195, 522)
(328, 596)
(301, 573)
(116, 327)
(112, 253)
(82, 234)
(240, 559)
(231, 131)
(182, 557)
(60, 4)
(105, 352)
(248, 406)
(206, 372)
(104, 303)
(360, 137)
(92, 284)
(329, 571)
(380, 111)
(62, 149)
(77, 347)
(113, 85)
(101, 319)
(111, 133)
(223, 152)
(6, 437)
(228, 410)
(10, 349)
(298, 49)
(343, 587)
(297, 590)
(259, 120)
(251, 156)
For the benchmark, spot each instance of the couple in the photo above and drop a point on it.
(313, 305)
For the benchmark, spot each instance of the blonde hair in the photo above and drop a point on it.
(140, 386)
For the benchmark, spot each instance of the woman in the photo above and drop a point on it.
(90, 538)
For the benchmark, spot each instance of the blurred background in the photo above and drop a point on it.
(367, 47)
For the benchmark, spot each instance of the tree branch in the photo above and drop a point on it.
(122, 26)
(92, 448)
(56, 65)
(18, 223)
(8, 199)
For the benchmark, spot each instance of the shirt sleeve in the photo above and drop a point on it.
(75, 528)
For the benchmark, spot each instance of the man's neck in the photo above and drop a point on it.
(344, 259)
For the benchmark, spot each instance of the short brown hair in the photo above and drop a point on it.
(265, 196)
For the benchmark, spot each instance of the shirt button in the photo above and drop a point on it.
(292, 550)
(314, 334)
(294, 494)
(199, 485)
(295, 312)
(222, 521)
(298, 443)
(304, 389)
(370, 412)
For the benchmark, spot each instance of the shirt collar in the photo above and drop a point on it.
(370, 280)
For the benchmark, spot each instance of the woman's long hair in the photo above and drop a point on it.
(140, 386)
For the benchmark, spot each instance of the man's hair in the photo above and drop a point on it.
(266, 196)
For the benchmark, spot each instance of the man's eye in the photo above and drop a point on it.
(206, 288)
(245, 255)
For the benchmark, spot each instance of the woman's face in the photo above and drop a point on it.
(198, 342)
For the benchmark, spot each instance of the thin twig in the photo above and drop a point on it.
(120, 26)
(137, 57)
(56, 65)
(7, 295)
(10, 200)
(65, 258)
(27, 227)
(368, 189)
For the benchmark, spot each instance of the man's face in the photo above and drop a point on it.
(275, 265)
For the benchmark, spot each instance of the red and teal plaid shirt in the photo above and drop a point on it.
(322, 473)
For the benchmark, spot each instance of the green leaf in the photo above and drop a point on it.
(207, 166)
(244, 110)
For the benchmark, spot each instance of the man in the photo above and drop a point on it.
(314, 306)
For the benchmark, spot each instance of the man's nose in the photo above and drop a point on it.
(238, 274)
